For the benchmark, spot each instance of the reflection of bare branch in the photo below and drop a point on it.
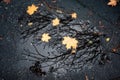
(37, 51)
(89, 49)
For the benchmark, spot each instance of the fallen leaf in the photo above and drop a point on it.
(107, 39)
(59, 11)
(30, 24)
(112, 3)
(70, 43)
(90, 42)
(114, 50)
(1, 38)
(45, 37)
(31, 9)
(54, 1)
(7, 1)
(74, 15)
(86, 77)
(55, 22)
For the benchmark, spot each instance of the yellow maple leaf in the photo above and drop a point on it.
(112, 3)
(31, 9)
(70, 43)
(55, 22)
(45, 37)
(74, 15)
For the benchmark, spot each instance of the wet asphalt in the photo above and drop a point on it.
(105, 18)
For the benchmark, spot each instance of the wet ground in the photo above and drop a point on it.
(105, 18)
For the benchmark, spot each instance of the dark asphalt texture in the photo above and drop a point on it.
(104, 17)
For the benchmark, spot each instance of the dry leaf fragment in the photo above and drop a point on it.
(45, 37)
(70, 43)
(59, 11)
(7, 1)
(1, 37)
(54, 1)
(30, 24)
(114, 50)
(112, 3)
(86, 77)
(74, 15)
(90, 42)
(55, 22)
(31, 9)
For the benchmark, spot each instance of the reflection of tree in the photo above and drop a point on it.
(89, 49)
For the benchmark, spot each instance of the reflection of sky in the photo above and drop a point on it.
(11, 65)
